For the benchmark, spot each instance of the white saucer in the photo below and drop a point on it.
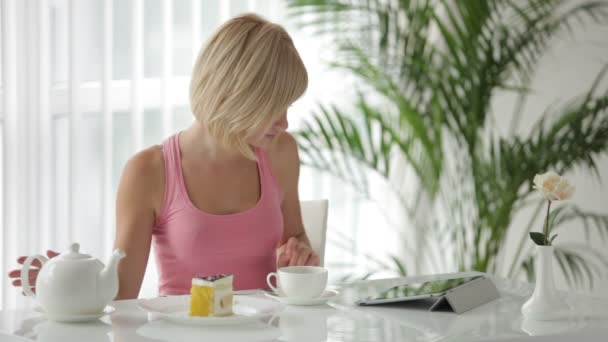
(327, 295)
(75, 318)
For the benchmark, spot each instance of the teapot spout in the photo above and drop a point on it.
(108, 277)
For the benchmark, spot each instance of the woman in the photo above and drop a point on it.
(220, 196)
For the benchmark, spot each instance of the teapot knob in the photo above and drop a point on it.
(75, 247)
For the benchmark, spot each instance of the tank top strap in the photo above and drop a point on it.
(267, 177)
(173, 175)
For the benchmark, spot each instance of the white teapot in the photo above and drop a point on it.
(72, 283)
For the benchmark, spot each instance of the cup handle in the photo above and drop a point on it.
(268, 277)
(25, 270)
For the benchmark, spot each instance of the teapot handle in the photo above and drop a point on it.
(25, 270)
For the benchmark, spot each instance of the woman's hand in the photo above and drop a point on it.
(296, 253)
(33, 274)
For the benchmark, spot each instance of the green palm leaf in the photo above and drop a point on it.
(436, 66)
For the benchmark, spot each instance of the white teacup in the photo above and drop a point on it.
(299, 281)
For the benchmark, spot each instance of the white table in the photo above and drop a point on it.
(338, 321)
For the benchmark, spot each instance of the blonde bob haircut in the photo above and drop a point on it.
(245, 77)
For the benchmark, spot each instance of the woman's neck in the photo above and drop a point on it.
(197, 141)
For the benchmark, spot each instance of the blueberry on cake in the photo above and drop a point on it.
(211, 296)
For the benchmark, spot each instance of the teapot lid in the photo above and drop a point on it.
(73, 253)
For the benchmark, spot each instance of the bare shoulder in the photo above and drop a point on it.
(146, 164)
(143, 175)
(284, 159)
(284, 149)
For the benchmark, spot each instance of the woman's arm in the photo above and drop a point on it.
(139, 197)
(295, 247)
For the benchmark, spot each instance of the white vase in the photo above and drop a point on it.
(545, 303)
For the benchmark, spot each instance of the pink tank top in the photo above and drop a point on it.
(189, 242)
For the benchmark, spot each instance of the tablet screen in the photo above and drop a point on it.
(423, 288)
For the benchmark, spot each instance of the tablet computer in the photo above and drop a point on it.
(414, 291)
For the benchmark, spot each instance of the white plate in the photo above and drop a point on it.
(75, 318)
(161, 330)
(247, 309)
(327, 295)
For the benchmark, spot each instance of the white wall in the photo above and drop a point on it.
(569, 68)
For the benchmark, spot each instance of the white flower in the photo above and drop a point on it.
(553, 186)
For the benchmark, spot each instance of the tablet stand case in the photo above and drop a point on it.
(467, 296)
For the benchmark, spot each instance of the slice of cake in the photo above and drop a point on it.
(211, 296)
